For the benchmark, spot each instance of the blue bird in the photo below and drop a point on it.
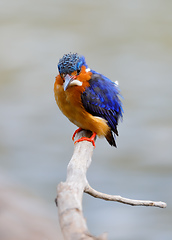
(87, 98)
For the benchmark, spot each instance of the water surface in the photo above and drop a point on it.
(128, 41)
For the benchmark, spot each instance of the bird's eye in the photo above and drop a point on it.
(78, 71)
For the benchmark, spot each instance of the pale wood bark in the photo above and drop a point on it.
(70, 193)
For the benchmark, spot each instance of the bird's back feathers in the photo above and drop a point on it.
(101, 99)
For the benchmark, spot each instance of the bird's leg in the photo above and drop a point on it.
(77, 131)
(91, 139)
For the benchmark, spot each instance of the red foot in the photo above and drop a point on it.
(91, 139)
(77, 131)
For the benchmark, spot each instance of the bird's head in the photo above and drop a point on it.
(70, 66)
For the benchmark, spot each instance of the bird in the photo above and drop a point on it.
(88, 99)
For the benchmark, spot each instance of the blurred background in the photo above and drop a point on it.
(128, 41)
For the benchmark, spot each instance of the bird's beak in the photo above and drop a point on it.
(68, 79)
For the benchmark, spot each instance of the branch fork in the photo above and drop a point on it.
(70, 193)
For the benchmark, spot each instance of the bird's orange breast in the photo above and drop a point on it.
(70, 104)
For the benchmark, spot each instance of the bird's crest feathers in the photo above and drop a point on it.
(71, 62)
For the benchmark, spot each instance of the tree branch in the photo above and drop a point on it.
(88, 189)
(70, 193)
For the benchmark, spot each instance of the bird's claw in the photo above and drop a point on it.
(77, 131)
(91, 139)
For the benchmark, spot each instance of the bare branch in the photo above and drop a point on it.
(120, 199)
(70, 193)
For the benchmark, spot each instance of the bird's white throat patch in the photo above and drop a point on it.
(75, 83)
(87, 69)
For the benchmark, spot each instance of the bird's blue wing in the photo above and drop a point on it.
(101, 99)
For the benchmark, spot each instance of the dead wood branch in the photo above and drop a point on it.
(120, 199)
(70, 193)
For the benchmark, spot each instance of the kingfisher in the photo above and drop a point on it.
(87, 98)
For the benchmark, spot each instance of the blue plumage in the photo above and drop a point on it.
(101, 99)
(71, 62)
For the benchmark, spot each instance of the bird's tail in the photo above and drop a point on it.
(110, 138)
